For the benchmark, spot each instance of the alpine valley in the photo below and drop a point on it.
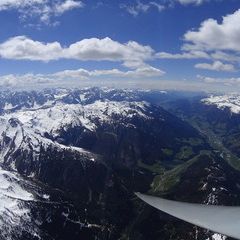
(72, 159)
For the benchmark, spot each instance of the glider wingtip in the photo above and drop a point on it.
(138, 194)
(142, 196)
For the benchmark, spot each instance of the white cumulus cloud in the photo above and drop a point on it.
(131, 54)
(214, 35)
(23, 48)
(213, 40)
(67, 6)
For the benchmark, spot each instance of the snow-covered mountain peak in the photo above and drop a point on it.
(40, 120)
(230, 101)
(53, 118)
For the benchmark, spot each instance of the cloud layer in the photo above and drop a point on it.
(76, 76)
(232, 81)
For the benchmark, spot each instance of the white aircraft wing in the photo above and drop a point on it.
(219, 219)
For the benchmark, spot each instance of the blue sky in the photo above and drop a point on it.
(170, 43)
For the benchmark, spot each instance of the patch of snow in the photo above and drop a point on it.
(83, 97)
(8, 106)
(217, 236)
(46, 197)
